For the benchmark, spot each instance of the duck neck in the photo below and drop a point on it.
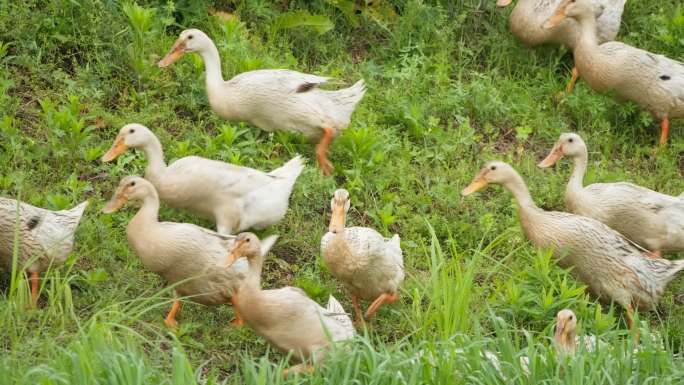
(148, 212)
(521, 193)
(588, 32)
(212, 64)
(576, 182)
(155, 158)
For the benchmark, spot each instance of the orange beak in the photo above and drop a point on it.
(478, 183)
(553, 157)
(114, 204)
(337, 218)
(503, 3)
(557, 17)
(118, 148)
(235, 253)
(176, 52)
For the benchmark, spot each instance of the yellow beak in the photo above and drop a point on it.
(477, 184)
(556, 18)
(118, 148)
(114, 204)
(235, 253)
(174, 54)
(337, 218)
(503, 3)
(553, 157)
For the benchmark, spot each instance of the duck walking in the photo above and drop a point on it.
(286, 317)
(273, 99)
(194, 259)
(43, 237)
(235, 197)
(527, 19)
(654, 82)
(651, 219)
(611, 266)
(370, 266)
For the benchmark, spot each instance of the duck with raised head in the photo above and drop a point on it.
(654, 82)
(43, 237)
(273, 99)
(192, 258)
(651, 219)
(235, 197)
(286, 317)
(370, 266)
(527, 20)
(612, 267)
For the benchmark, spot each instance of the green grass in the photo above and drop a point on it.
(448, 88)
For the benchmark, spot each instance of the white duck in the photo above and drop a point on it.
(654, 82)
(287, 317)
(528, 17)
(235, 197)
(370, 266)
(195, 259)
(273, 99)
(44, 237)
(651, 219)
(611, 266)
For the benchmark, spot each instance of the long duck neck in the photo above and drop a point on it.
(147, 214)
(576, 182)
(588, 35)
(521, 193)
(155, 158)
(212, 64)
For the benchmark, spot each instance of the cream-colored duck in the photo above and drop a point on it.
(287, 317)
(566, 340)
(194, 259)
(611, 266)
(236, 198)
(370, 266)
(651, 219)
(655, 82)
(527, 20)
(273, 99)
(44, 237)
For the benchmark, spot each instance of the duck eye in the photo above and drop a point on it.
(493, 168)
(189, 37)
(132, 131)
(247, 240)
(133, 183)
(570, 318)
(570, 140)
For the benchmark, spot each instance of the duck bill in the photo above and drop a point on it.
(337, 219)
(176, 52)
(477, 184)
(556, 18)
(503, 3)
(235, 253)
(115, 203)
(553, 157)
(118, 148)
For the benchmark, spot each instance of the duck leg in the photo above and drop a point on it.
(170, 320)
(238, 321)
(631, 325)
(33, 279)
(358, 315)
(664, 130)
(573, 80)
(381, 300)
(655, 254)
(322, 151)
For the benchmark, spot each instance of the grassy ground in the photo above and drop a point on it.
(448, 88)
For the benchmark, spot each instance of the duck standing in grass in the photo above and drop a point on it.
(528, 17)
(654, 82)
(235, 197)
(43, 237)
(651, 219)
(286, 317)
(370, 266)
(273, 99)
(612, 267)
(191, 257)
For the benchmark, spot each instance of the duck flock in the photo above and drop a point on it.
(613, 235)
